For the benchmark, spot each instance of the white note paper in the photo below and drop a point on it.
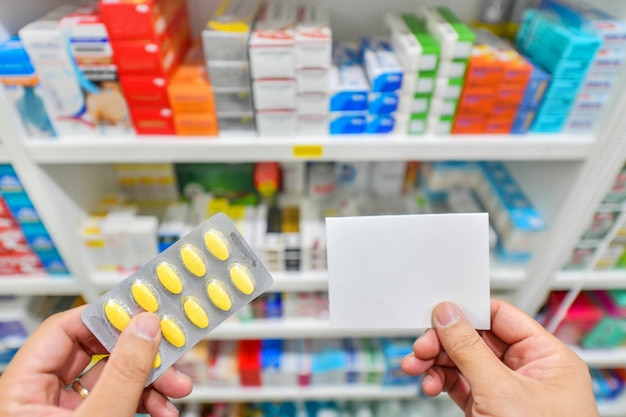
(389, 272)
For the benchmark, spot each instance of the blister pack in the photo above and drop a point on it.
(193, 286)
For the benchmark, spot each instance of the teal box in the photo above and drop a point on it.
(9, 181)
(548, 123)
(610, 332)
(52, 262)
(565, 40)
(37, 236)
(563, 88)
(21, 207)
(556, 106)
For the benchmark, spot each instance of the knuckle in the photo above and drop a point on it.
(130, 368)
(463, 345)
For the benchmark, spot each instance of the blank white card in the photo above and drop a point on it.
(389, 272)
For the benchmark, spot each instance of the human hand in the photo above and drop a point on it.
(516, 369)
(59, 350)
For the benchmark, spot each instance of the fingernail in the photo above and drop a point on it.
(446, 314)
(182, 375)
(146, 326)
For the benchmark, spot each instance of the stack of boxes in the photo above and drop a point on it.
(605, 66)
(456, 40)
(273, 68)
(385, 75)
(349, 91)
(149, 39)
(21, 87)
(18, 212)
(191, 96)
(418, 53)
(495, 83)
(225, 41)
(70, 52)
(313, 43)
(566, 52)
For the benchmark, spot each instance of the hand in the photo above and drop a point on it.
(516, 369)
(59, 350)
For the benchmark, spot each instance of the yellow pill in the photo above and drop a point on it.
(172, 332)
(195, 313)
(219, 296)
(216, 244)
(117, 315)
(169, 278)
(241, 279)
(192, 260)
(144, 296)
(157, 361)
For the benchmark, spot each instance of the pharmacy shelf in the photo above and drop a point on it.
(503, 277)
(298, 328)
(37, 285)
(361, 147)
(613, 279)
(602, 358)
(329, 392)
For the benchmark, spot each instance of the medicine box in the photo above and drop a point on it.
(449, 88)
(380, 123)
(141, 19)
(311, 80)
(590, 102)
(439, 125)
(157, 57)
(21, 87)
(455, 37)
(153, 120)
(469, 123)
(381, 65)
(313, 36)
(414, 103)
(556, 106)
(417, 124)
(416, 49)
(611, 30)
(233, 100)
(349, 88)
(277, 122)
(145, 91)
(382, 103)
(312, 104)
(229, 74)
(419, 83)
(597, 82)
(272, 42)
(443, 106)
(313, 124)
(195, 124)
(189, 90)
(430, 48)
(348, 123)
(539, 81)
(563, 88)
(64, 99)
(236, 122)
(226, 34)
(272, 94)
(499, 124)
(563, 40)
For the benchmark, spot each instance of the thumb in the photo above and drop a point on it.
(478, 364)
(123, 379)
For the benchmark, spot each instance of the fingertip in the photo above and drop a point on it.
(431, 384)
(446, 314)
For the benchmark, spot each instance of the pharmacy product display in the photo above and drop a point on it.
(275, 68)
(286, 226)
(26, 247)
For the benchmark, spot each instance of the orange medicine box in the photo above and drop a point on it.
(189, 90)
(145, 91)
(469, 124)
(484, 67)
(195, 124)
(499, 124)
(477, 100)
(153, 121)
(138, 19)
(510, 94)
(153, 56)
(517, 69)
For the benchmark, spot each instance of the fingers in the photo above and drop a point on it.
(443, 379)
(173, 384)
(62, 345)
(512, 325)
(478, 364)
(123, 379)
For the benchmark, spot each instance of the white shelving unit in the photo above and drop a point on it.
(565, 175)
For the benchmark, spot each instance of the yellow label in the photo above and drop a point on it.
(308, 151)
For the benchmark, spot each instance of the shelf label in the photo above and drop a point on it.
(308, 151)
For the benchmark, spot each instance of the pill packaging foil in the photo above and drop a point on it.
(170, 306)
